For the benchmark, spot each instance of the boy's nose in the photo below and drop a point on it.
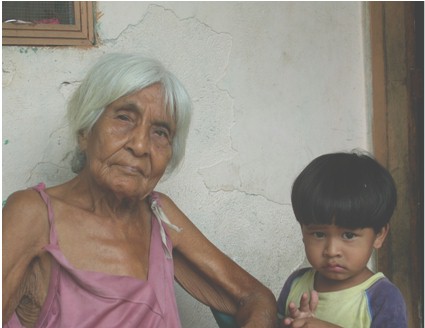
(331, 248)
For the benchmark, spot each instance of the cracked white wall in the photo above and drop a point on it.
(274, 84)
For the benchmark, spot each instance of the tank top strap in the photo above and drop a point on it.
(40, 189)
(162, 218)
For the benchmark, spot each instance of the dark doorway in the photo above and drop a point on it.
(397, 41)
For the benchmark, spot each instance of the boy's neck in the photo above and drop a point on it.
(323, 284)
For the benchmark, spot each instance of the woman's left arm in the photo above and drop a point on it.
(213, 278)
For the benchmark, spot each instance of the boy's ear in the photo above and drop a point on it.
(380, 236)
(302, 232)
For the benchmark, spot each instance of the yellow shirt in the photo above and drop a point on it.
(348, 308)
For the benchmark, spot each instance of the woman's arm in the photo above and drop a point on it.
(213, 278)
(25, 230)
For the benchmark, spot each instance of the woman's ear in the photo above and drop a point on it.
(380, 236)
(82, 140)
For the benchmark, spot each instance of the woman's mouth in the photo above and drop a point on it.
(133, 170)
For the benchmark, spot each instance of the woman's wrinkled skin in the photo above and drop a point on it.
(102, 218)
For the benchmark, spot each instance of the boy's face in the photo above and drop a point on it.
(340, 255)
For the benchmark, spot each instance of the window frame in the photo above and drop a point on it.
(79, 34)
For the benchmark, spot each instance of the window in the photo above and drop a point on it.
(48, 23)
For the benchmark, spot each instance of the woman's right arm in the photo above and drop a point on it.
(25, 230)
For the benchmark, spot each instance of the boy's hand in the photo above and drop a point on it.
(311, 323)
(303, 317)
(307, 308)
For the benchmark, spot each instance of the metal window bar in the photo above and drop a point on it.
(40, 12)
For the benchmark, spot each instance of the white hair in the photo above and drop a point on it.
(118, 75)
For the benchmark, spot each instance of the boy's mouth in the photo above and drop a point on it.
(333, 267)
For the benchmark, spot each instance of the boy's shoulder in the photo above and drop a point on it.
(298, 273)
(295, 275)
(383, 290)
(386, 304)
(281, 302)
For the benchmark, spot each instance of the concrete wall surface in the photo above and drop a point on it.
(274, 84)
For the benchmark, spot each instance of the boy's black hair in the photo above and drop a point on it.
(351, 190)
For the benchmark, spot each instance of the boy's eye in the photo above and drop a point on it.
(319, 234)
(349, 235)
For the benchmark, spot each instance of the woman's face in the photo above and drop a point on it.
(130, 145)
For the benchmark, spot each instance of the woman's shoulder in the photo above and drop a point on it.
(24, 200)
(159, 196)
(176, 218)
(164, 201)
(25, 211)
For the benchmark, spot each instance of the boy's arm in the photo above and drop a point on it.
(284, 293)
(387, 305)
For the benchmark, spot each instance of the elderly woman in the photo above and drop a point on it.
(103, 249)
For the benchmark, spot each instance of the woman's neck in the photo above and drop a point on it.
(87, 194)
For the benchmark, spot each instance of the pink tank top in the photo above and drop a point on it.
(83, 299)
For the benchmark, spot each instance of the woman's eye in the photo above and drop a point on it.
(162, 136)
(123, 117)
(348, 235)
(162, 133)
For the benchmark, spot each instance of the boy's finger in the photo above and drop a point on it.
(314, 300)
(292, 309)
(304, 306)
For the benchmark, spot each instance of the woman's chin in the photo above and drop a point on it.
(130, 192)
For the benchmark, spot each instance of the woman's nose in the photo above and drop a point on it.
(138, 142)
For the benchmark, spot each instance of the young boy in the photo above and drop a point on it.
(343, 202)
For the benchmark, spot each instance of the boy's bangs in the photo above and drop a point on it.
(357, 207)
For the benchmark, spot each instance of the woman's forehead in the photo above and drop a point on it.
(150, 97)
